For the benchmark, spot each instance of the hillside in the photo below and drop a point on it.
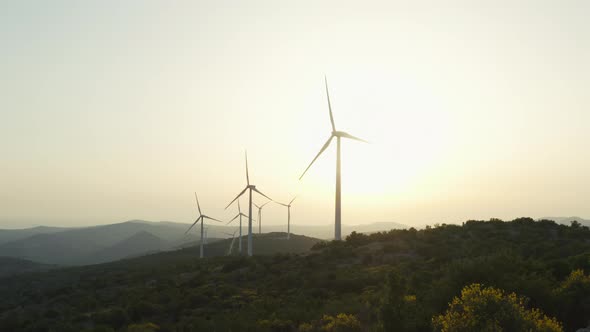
(9, 235)
(263, 244)
(138, 244)
(388, 281)
(12, 266)
(96, 244)
(89, 245)
(569, 220)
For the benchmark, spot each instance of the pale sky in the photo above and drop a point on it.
(118, 110)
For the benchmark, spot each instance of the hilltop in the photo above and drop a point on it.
(399, 278)
(568, 220)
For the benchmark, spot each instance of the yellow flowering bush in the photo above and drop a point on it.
(490, 309)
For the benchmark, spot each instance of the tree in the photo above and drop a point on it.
(574, 300)
(339, 323)
(401, 311)
(145, 327)
(491, 309)
(392, 311)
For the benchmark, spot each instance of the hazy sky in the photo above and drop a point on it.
(117, 110)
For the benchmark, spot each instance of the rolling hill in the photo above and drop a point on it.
(89, 245)
(568, 220)
(397, 280)
(97, 244)
(9, 235)
(11, 266)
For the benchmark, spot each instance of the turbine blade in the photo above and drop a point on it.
(247, 175)
(240, 194)
(329, 105)
(258, 191)
(281, 204)
(246, 216)
(347, 135)
(236, 217)
(319, 153)
(239, 208)
(256, 205)
(196, 221)
(292, 200)
(212, 219)
(198, 206)
(261, 206)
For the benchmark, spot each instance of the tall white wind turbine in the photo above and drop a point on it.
(250, 188)
(200, 218)
(259, 207)
(338, 135)
(288, 216)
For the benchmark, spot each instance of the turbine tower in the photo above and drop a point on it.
(259, 207)
(240, 215)
(338, 135)
(201, 218)
(288, 216)
(250, 188)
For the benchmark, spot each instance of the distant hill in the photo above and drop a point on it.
(9, 235)
(11, 266)
(568, 220)
(264, 244)
(97, 244)
(327, 231)
(138, 244)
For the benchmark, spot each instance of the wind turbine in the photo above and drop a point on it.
(233, 238)
(259, 207)
(201, 218)
(240, 214)
(288, 216)
(338, 135)
(250, 188)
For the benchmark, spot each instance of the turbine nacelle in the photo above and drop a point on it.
(346, 135)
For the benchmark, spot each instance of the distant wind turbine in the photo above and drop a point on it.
(233, 238)
(201, 218)
(240, 215)
(250, 188)
(338, 135)
(288, 216)
(259, 207)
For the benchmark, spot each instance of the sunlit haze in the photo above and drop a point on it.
(111, 110)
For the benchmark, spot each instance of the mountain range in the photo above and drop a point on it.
(105, 243)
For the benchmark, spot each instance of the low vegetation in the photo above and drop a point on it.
(480, 276)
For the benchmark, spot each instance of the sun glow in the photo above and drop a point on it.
(406, 127)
